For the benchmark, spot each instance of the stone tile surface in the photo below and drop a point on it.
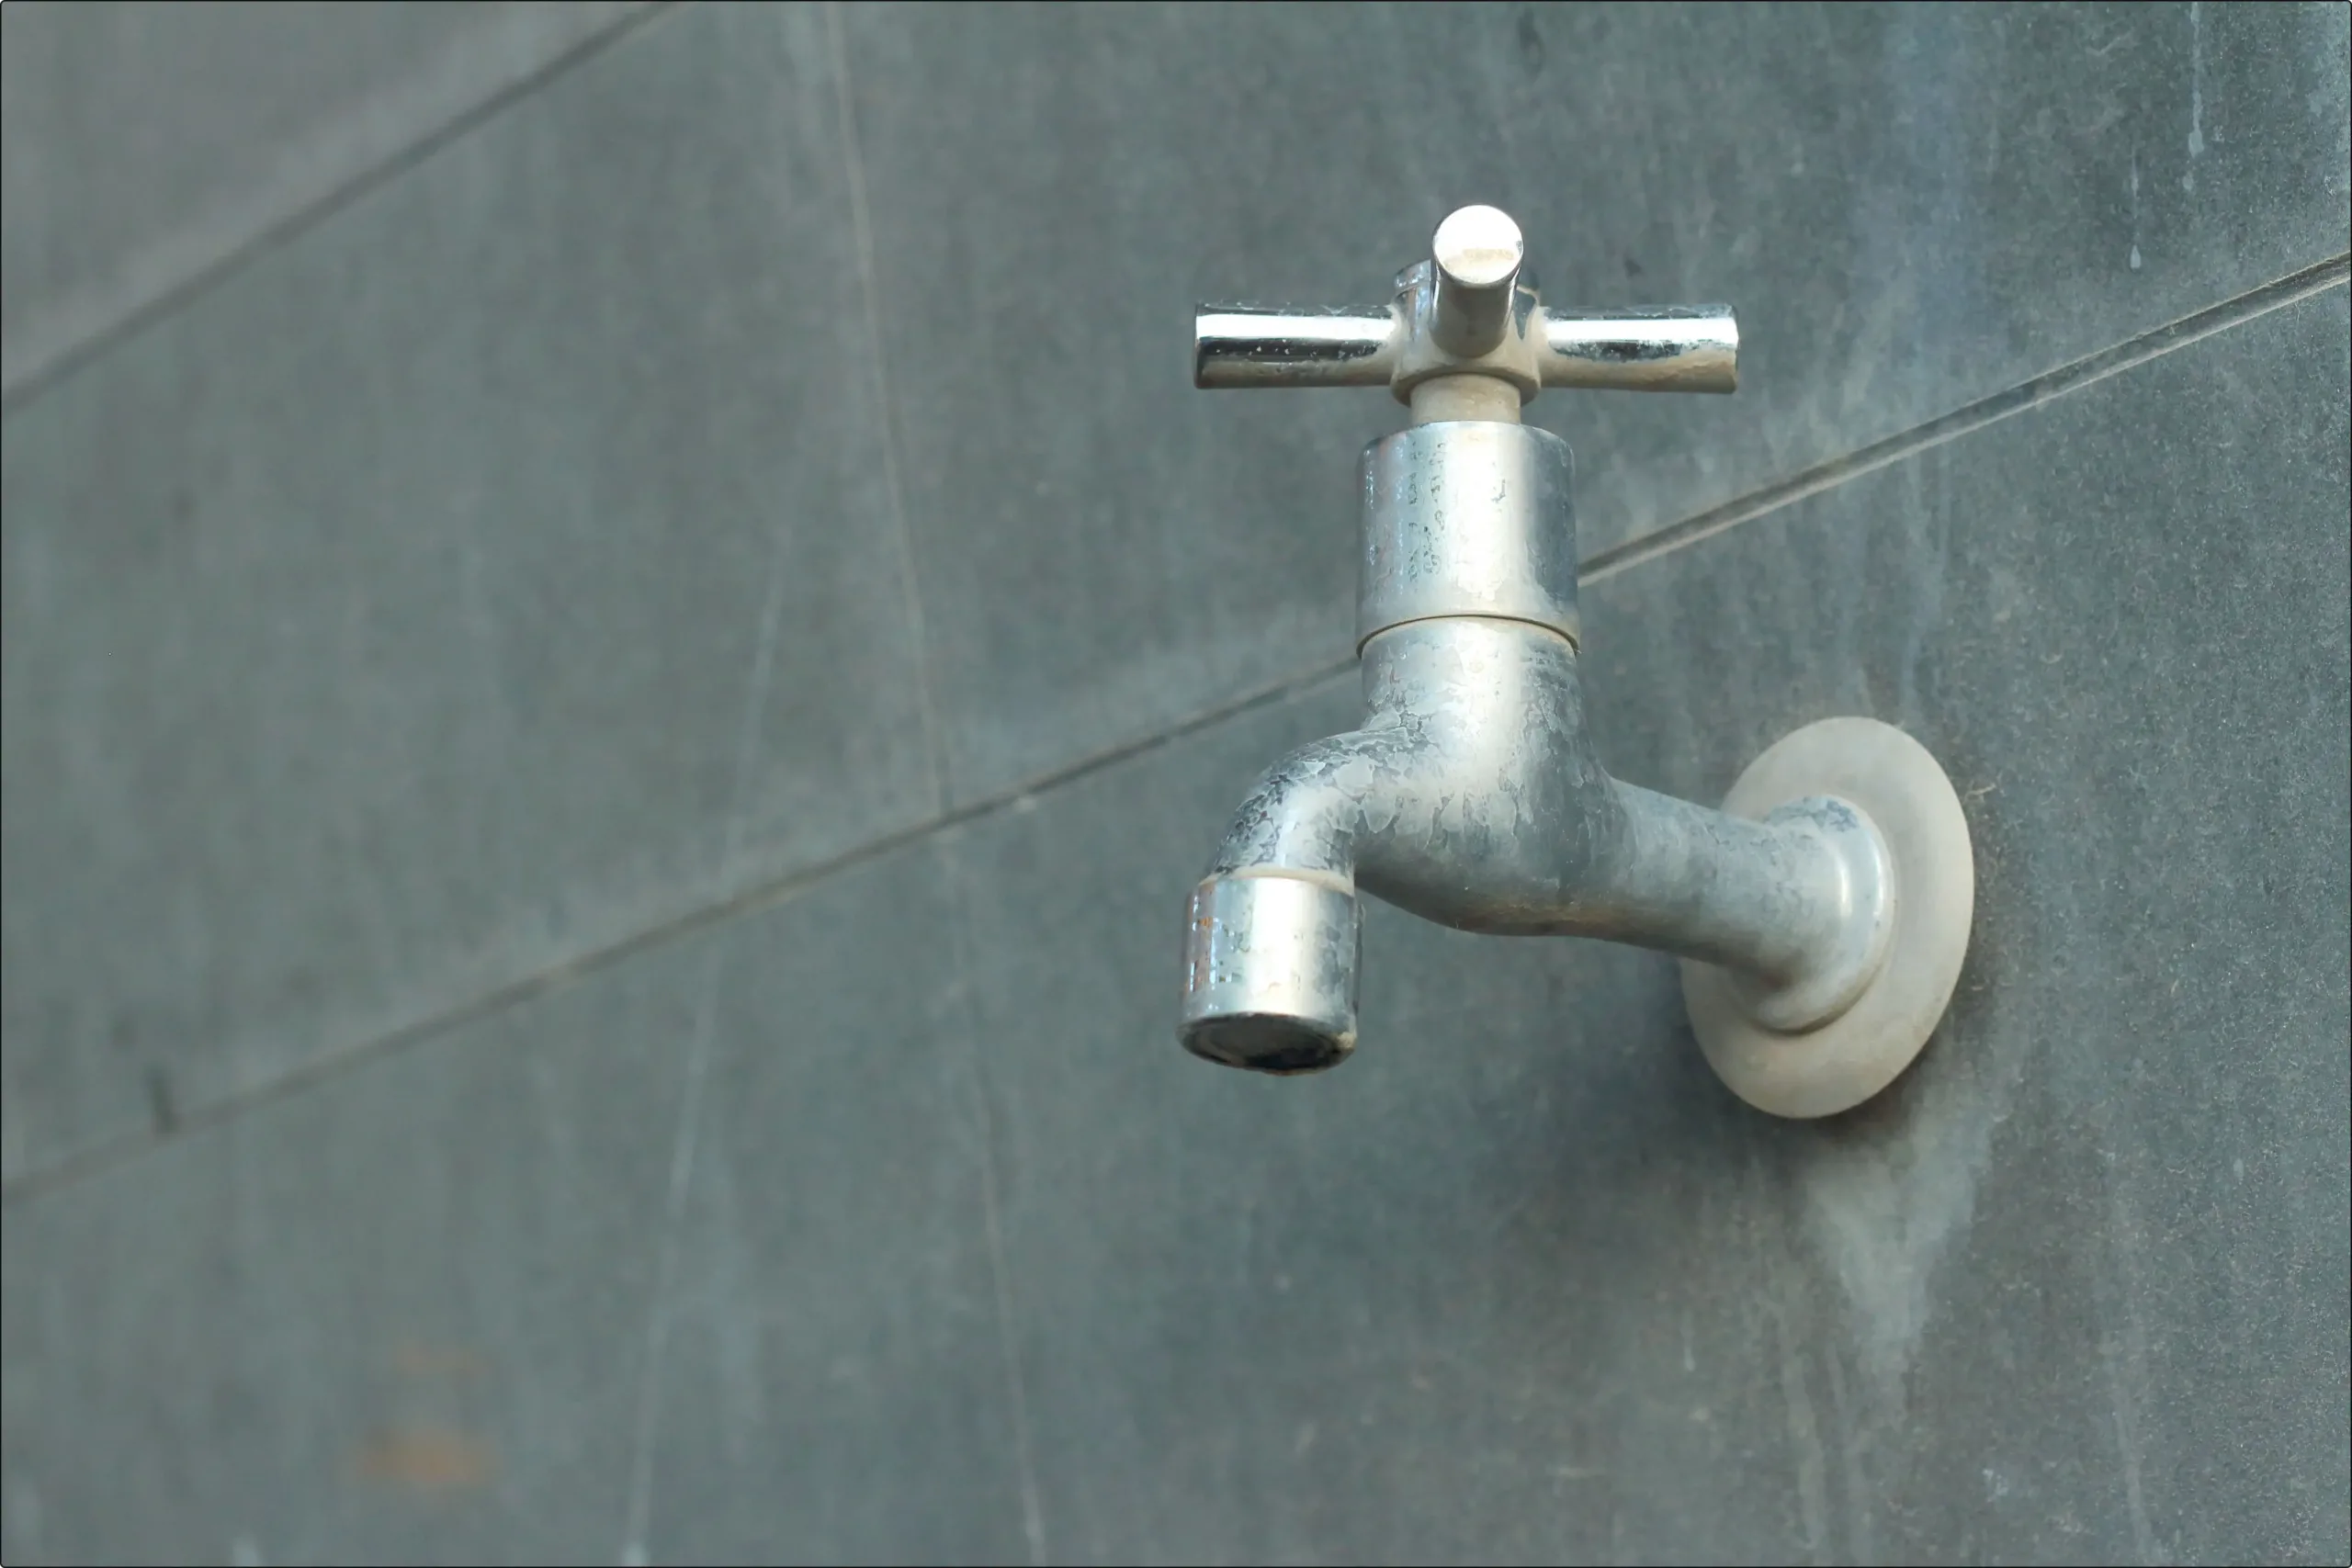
(505, 568)
(401, 1318)
(1522, 1282)
(2088, 1264)
(148, 142)
(406, 1318)
(481, 581)
(836, 1388)
(1911, 207)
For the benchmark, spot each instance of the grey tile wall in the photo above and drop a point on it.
(2089, 1258)
(836, 1387)
(399, 1319)
(407, 1318)
(485, 579)
(1520, 1282)
(1911, 206)
(148, 142)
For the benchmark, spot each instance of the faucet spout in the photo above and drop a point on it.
(1471, 796)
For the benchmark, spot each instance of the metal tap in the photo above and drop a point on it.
(1822, 914)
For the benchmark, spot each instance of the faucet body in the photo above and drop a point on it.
(1471, 794)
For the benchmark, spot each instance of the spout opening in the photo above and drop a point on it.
(1267, 1042)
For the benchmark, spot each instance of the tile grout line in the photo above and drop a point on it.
(69, 361)
(758, 896)
(901, 536)
(1970, 418)
(1033, 1521)
(106, 1155)
(750, 742)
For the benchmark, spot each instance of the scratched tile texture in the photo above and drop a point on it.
(1911, 206)
(399, 1319)
(406, 1318)
(146, 143)
(479, 580)
(836, 1388)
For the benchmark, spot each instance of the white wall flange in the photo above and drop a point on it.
(1893, 782)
